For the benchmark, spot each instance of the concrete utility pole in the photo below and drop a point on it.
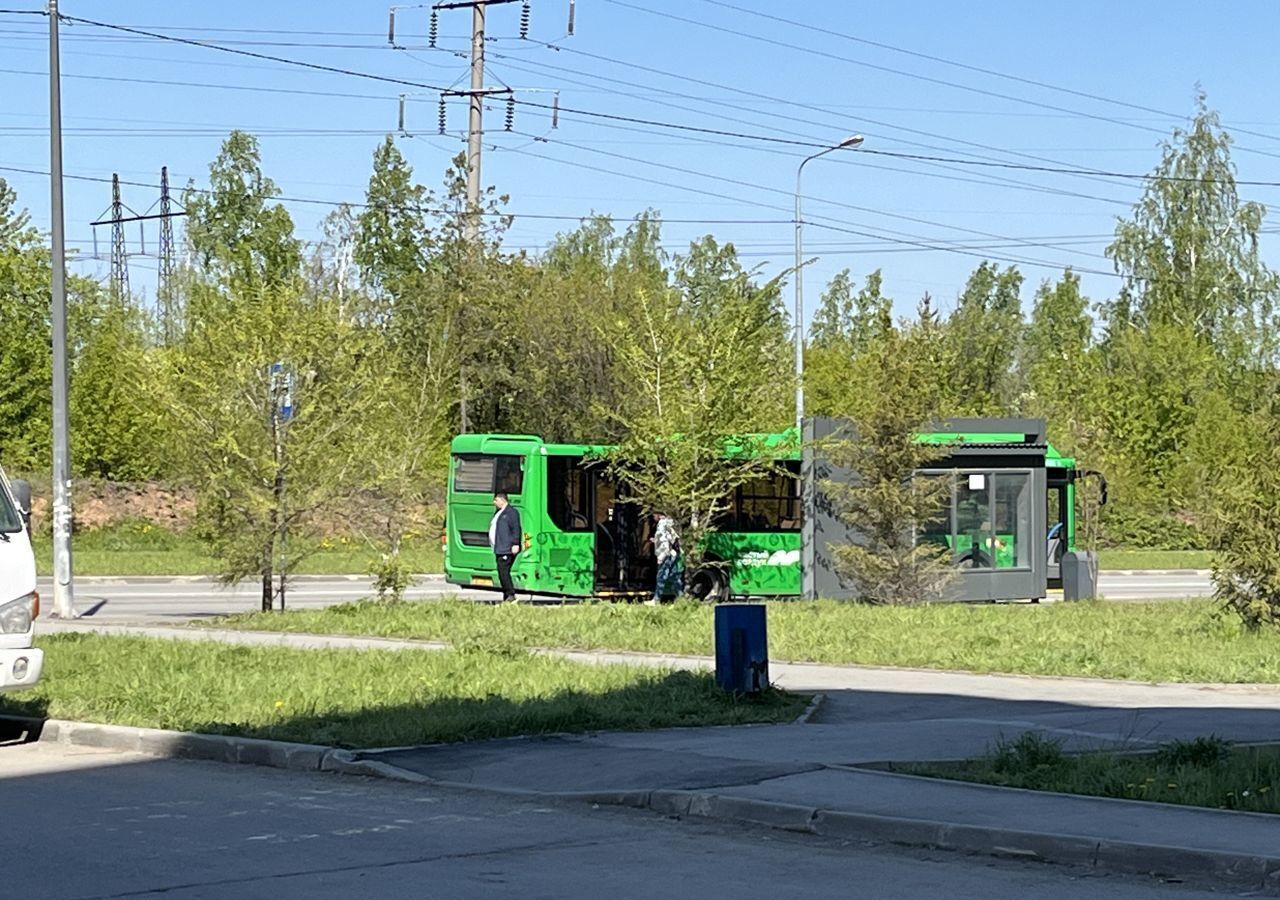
(63, 588)
(475, 96)
(475, 122)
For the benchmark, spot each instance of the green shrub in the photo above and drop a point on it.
(1027, 753)
(1201, 753)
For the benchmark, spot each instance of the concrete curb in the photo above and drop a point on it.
(809, 711)
(1128, 857)
(212, 747)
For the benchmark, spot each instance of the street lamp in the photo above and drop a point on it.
(848, 143)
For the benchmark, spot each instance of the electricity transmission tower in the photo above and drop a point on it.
(166, 291)
(119, 253)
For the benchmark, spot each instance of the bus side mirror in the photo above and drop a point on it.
(22, 493)
(1102, 483)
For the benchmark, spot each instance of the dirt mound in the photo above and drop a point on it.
(102, 504)
(99, 504)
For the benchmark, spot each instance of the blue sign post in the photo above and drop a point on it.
(282, 384)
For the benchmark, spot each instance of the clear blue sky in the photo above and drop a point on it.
(318, 144)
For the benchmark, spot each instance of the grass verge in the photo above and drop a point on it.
(367, 698)
(1113, 560)
(138, 548)
(1177, 641)
(1201, 772)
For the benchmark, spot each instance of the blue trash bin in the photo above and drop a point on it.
(742, 648)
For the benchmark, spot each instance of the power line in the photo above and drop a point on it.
(914, 75)
(437, 210)
(601, 115)
(912, 240)
(319, 67)
(1061, 169)
(915, 240)
(1101, 173)
(228, 45)
(204, 84)
(788, 102)
(437, 88)
(972, 68)
(289, 31)
(788, 193)
(989, 180)
(993, 180)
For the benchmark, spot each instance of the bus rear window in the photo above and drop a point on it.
(475, 473)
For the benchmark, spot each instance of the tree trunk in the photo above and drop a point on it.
(278, 526)
(266, 575)
(464, 420)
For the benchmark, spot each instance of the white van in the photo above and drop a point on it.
(20, 662)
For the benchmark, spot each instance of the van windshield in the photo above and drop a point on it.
(10, 521)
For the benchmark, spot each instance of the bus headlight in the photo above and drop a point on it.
(16, 616)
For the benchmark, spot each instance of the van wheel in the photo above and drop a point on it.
(709, 585)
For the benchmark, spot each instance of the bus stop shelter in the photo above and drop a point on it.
(994, 527)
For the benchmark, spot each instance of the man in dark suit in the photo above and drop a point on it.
(504, 537)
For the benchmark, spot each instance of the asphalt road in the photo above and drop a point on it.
(157, 600)
(160, 600)
(1153, 585)
(90, 824)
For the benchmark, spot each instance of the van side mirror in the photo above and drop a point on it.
(22, 493)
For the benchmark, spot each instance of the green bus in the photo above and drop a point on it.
(583, 538)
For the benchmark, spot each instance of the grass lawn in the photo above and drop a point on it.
(1179, 641)
(1201, 772)
(139, 549)
(1112, 560)
(367, 698)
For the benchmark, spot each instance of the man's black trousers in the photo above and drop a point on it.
(504, 575)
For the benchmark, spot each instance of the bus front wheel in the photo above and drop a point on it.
(709, 585)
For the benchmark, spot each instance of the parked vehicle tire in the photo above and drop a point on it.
(709, 584)
(975, 559)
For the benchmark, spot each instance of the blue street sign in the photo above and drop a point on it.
(282, 383)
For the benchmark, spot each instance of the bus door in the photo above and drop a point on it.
(1058, 520)
(567, 549)
(624, 559)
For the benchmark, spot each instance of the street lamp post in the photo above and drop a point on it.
(848, 143)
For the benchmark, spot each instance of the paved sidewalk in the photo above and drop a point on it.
(801, 777)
